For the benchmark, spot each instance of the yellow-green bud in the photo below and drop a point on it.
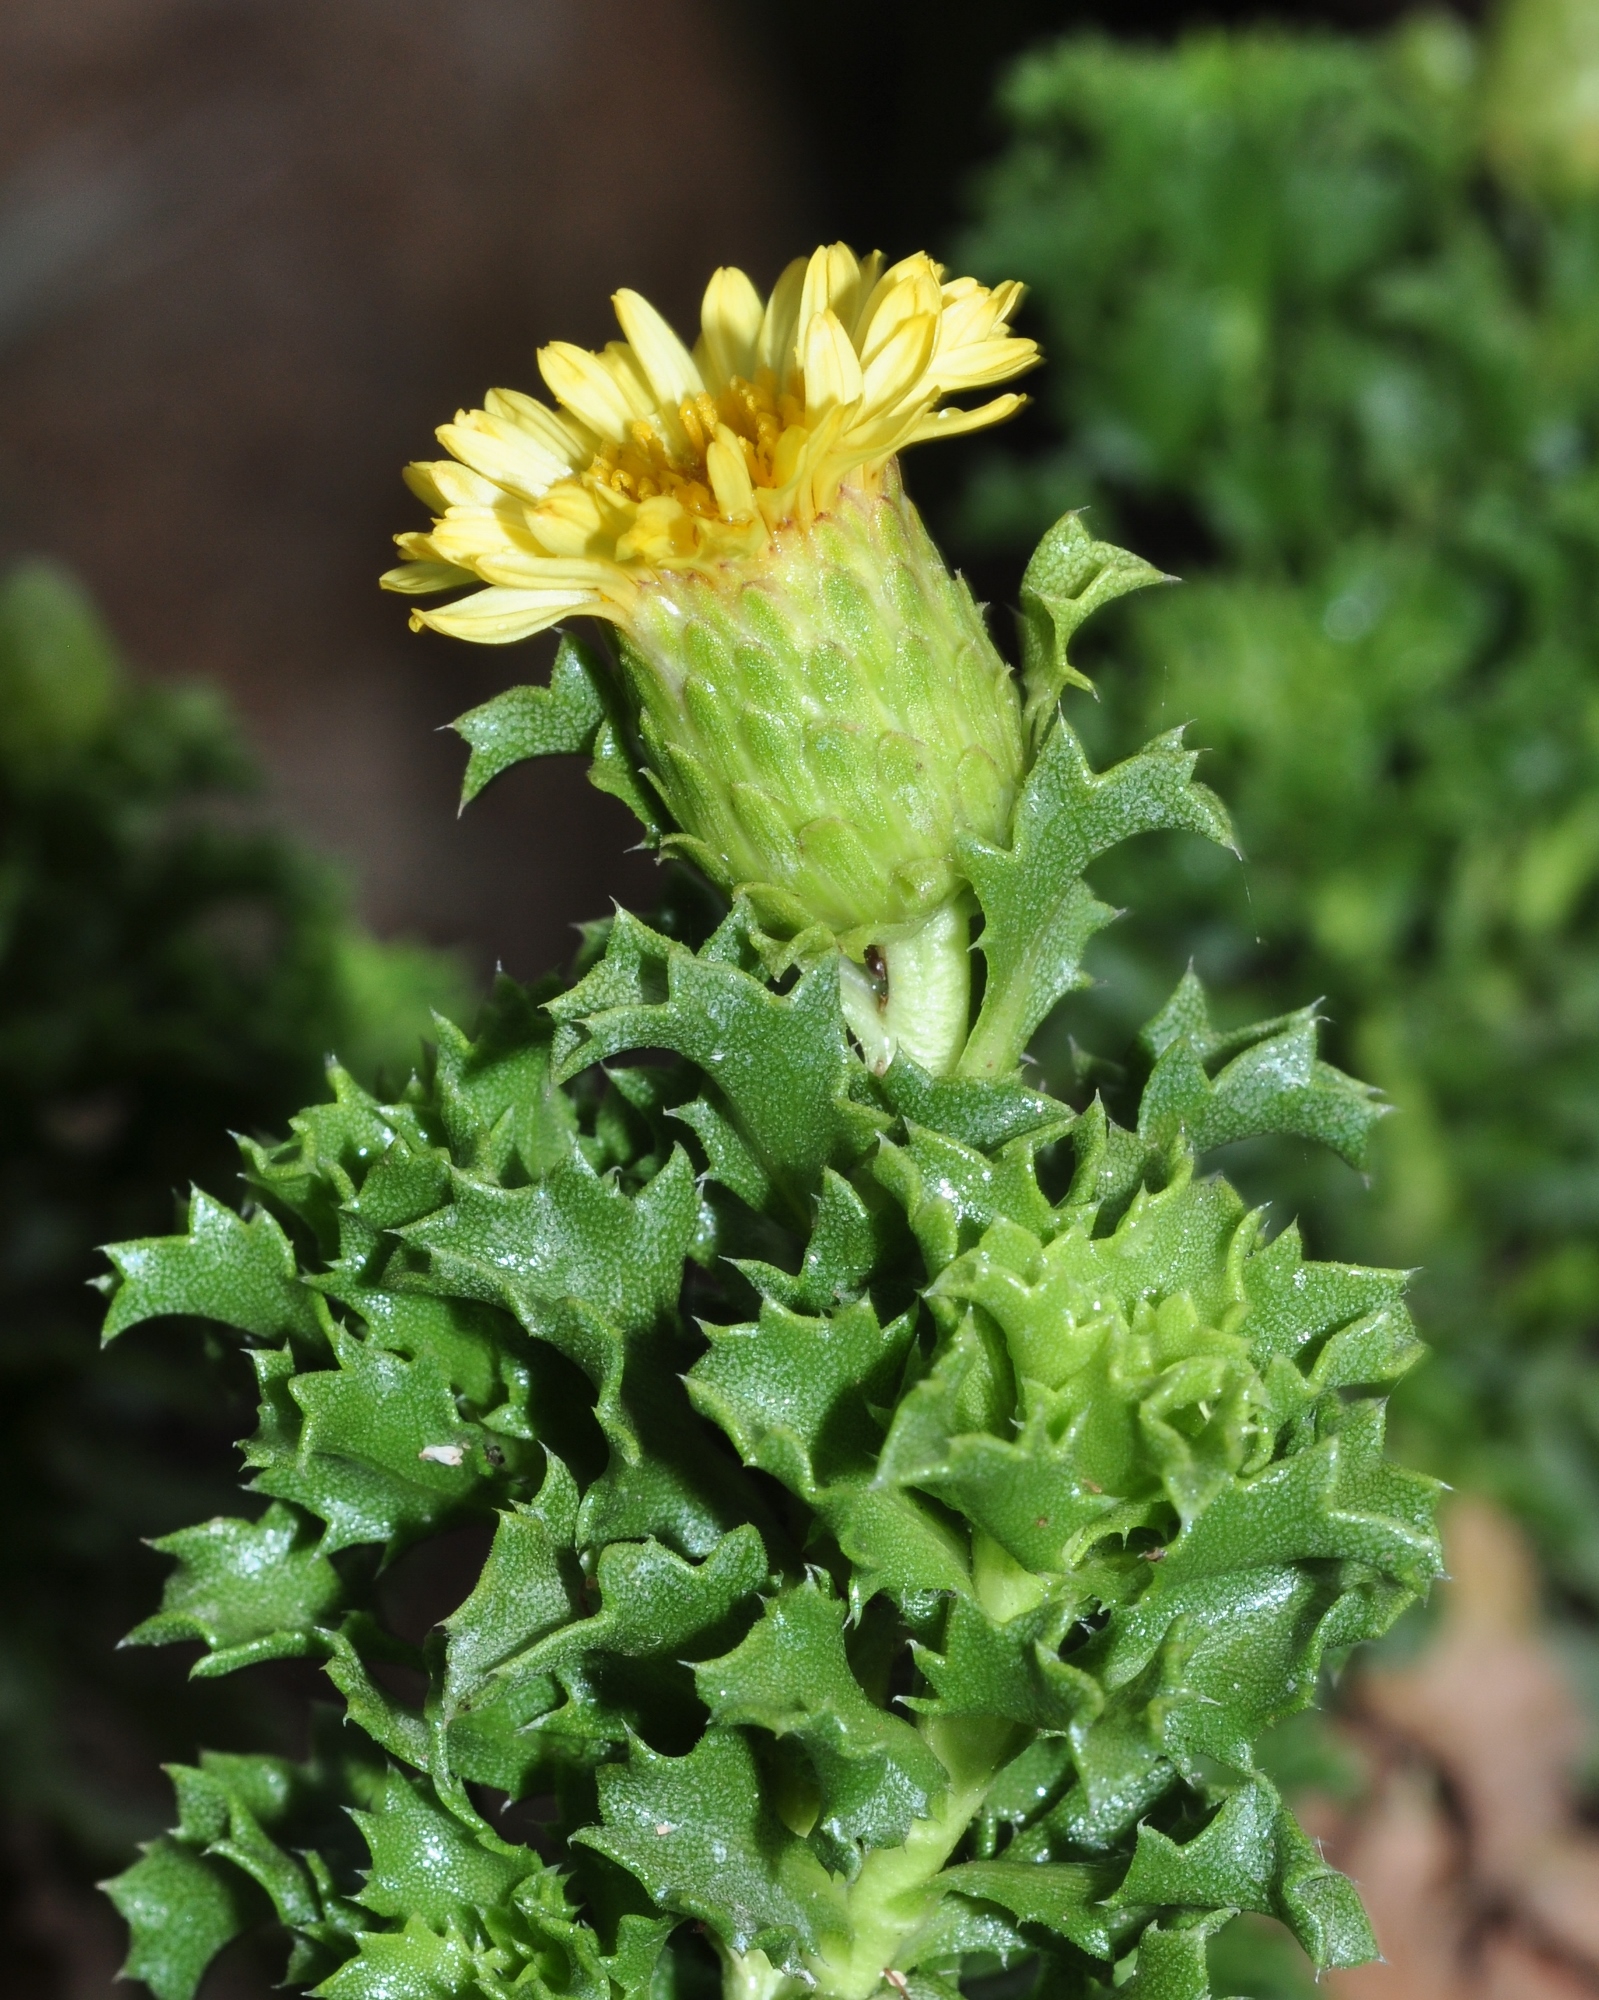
(823, 722)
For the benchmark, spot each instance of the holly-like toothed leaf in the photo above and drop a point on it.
(1068, 578)
(1064, 1897)
(397, 1728)
(560, 720)
(797, 1396)
(983, 1112)
(181, 1907)
(427, 1863)
(698, 1833)
(778, 1064)
(791, 1677)
(480, 1350)
(250, 1590)
(1275, 1084)
(1338, 1499)
(664, 1479)
(1254, 1856)
(574, 1235)
(502, 1113)
(1298, 1310)
(528, 1586)
(844, 1246)
(380, 1451)
(415, 1963)
(951, 1193)
(653, 1602)
(239, 1273)
(320, 1168)
(1038, 912)
(1172, 1962)
(237, 1858)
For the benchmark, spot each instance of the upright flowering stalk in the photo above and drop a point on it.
(821, 709)
(912, 1497)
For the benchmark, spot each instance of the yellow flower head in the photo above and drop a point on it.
(658, 459)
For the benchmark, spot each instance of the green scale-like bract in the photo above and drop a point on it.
(824, 732)
(911, 1500)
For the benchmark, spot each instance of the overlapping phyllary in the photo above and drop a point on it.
(903, 1499)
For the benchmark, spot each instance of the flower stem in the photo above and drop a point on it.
(889, 1900)
(927, 1002)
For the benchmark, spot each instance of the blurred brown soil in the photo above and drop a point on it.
(1481, 1879)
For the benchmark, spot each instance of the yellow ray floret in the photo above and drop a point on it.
(655, 458)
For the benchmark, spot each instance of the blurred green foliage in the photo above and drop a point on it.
(169, 967)
(1311, 347)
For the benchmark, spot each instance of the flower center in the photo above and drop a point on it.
(647, 465)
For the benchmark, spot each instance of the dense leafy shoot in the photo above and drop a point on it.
(887, 1511)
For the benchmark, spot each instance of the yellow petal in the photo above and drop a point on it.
(776, 347)
(729, 476)
(498, 617)
(832, 367)
(466, 534)
(832, 284)
(459, 486)
(419, 476)
(865, 292)
(558, 430)
(504, 453)
(954, 423)
(568, 521)
(668, 366)
(419, 579)
(988, 361)
(529, 572)
(900, 363)
(589, 389)
(730, 327)
(910, 288)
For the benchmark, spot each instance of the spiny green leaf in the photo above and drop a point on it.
(952, 1193)
(501, 1110)
(1038, 912)
(572, 1235)
(652, 1602)
(1336, 1498)
(1171, 1959)
(426, 1863)
(411, 1964)
(698, 1834)
(843, 1247)
(242, 1274)
(525, 1589)
(251, 1590)
(983, 1112)
(1008, 1669)
(778, 1064)
(796, 1394)
(1060, 1896)
(181, 1908)
(1069, 577)
(791, 1676)
(381, 1453)
(1275, 1084)
(532, 721)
